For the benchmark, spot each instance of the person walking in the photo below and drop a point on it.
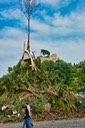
(26, 118)
(28, 107)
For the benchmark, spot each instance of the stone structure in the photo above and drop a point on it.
(52, 57)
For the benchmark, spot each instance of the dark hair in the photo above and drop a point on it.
(24, 106)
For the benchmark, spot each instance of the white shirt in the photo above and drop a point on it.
(28, 107)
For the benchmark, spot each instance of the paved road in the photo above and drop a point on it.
(73, 123)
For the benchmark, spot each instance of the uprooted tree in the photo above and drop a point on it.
(29, 7)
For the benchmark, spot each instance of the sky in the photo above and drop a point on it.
(56, 25)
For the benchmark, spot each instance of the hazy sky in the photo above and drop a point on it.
(58, 26)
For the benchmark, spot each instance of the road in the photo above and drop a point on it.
(71, 123)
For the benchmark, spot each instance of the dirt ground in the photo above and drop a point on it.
(69, 123)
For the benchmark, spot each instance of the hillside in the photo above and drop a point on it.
(53, 90)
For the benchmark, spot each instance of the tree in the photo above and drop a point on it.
(10, 69)
(29, 7)
(45, 52)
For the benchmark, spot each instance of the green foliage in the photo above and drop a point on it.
(45, 52)
(60, 70)
(53, 82)
(10, 69)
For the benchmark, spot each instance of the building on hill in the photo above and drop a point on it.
(30, 55)
(52, 57)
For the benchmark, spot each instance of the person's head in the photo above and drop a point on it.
(26, 103)
(25, 106)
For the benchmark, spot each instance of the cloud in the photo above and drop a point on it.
(56, 3)
(11, 13)
(5, 64)
(72, 25)
(60, 34)
(11, 48)
(12, 33)
(72, 51)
